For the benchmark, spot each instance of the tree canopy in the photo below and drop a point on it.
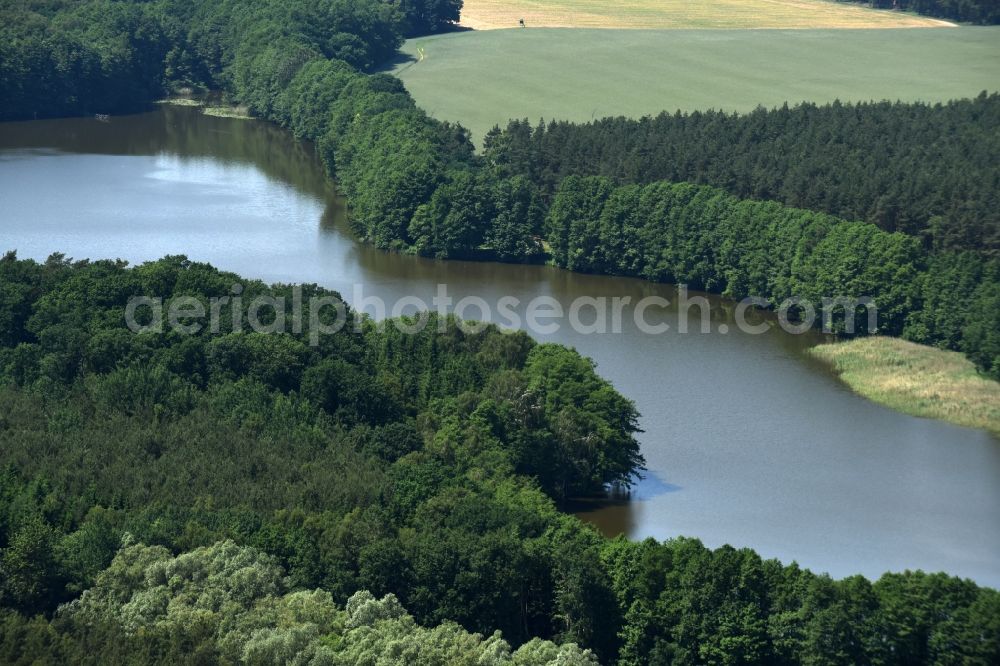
(252, 498)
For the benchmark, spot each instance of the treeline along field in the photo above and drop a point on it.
(930, 171)
(278, 486)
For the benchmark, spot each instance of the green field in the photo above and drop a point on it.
(481, 78)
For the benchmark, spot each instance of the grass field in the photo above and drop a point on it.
(493, 14)
(917, 380)
(484, 78)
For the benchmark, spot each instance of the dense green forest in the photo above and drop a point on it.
(247, 497)
(229, 604)
(926, 170)
(421, 465)
(982, 12)
(65, 57)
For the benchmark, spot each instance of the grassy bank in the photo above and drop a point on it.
(220, 111)
(238, 112)
(484, 78)
(492, 14)
(181, 101)
(917, 380)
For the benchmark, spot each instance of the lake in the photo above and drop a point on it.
(747, 441)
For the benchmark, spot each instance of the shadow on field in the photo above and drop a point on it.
(402, 61)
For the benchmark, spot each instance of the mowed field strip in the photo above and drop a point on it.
(495, 14)
(481, 78)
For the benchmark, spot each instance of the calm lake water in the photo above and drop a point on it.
(747, 442)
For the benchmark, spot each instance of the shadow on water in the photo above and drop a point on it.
(620, 511)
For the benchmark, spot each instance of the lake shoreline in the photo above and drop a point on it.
(915, 379)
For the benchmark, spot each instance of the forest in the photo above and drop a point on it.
(980, 12)
(237, 496)
(925, 170)
(247, 497)
(66, 57)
